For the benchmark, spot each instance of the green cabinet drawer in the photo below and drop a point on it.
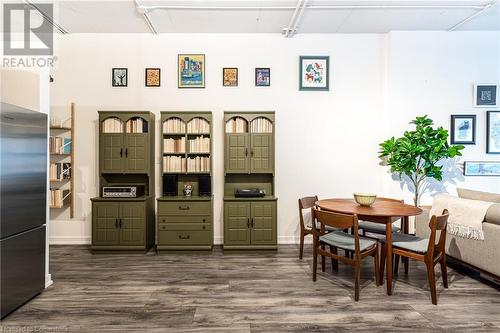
(185, 227)
(184, 208)
(183, 219)
(184, 237)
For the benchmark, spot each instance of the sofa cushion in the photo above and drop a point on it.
(493, 214)
(478, 195)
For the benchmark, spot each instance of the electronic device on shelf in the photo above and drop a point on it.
(249, 193)
(123, 191)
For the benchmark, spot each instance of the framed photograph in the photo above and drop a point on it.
(485, 95)
(262, 77)
(152, 77)
(463, 129)
(314, 73)
(230, 77)
(493, 132)
(482, 168)
(191, 71)
(119, 77)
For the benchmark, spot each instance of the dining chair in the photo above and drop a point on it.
(306, 228)
(360, 246)
(424, 249)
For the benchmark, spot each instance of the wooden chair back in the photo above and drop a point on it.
(306, 203)
(337, 220)
(437, 223)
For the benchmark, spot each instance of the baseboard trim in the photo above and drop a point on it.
(69, 240)
(48, 280)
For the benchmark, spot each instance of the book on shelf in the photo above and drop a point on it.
(199, 144)
(198, 164)
(136, 125)
(174, 164)
(261, 125)
(236, 125)
(59, 145)
(112, 125)
(174, 146)
(174, 125)
(198, 125)
(58, 197)
(60, 171)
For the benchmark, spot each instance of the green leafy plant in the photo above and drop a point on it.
(416, 154)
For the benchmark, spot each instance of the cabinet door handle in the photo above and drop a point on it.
(126, 152)
(251, 152)
(121, 152)
(253, 225)
(248, 222)
(183, 237)
(184, 207)
(246, 151)
(116, 223)
(121, 221)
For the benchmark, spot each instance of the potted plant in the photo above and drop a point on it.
(417, 153)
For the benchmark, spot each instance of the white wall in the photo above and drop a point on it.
(326, 142)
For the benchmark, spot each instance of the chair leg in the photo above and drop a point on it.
(432, 282)
(315, 260)
(382, 263)
(357, 273)
(406, 261)
(396, 264)
(302, 236)
(377, 268)
(323, 259)
(335, 262)
(444, 271)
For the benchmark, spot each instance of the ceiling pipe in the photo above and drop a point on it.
(59, 28)
(467, 19)
(292, 19)
(299, 17)
(143, 10)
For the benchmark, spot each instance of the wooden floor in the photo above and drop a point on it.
(243, 292)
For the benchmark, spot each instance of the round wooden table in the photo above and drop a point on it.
(383, 210)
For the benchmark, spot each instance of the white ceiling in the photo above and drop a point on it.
(319, 16)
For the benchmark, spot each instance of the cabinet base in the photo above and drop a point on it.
(250, 247)
(118, 249)
(183, 248)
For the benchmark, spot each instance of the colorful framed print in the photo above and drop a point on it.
(119, 77)
(482, 168)
(262, 77)
(463, 129)
(493, 132)
(485, 95)
(152, 77)
(191, 71)
(314, 73)
(230, 77)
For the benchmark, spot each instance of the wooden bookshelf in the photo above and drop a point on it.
(65, 129)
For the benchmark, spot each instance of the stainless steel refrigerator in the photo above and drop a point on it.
(23, 205)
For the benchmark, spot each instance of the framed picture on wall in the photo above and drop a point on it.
(314, 73)
(485, 95)
(262, 77)
(119, 77)
(493, 132)
(191, 71)
(481, 168)
(463, 129)
(230, 77)
(152, 77)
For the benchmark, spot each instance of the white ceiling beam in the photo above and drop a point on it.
(59, 28)
(286, 31)
(299, 17)
(143, 10)
(476, 14)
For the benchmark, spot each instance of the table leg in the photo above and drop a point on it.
(388, 245)
(406, 230)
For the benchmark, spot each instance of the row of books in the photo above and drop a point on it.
(112, 125)
(236, 125)
(198, 125)
(174, 164)
(198, 164)
(60, 123)
(136, 125)
(174, 125)
(261, 125)
(59, 145)
(60, 171)
(199, 144)
(174, 145)
(57, 197)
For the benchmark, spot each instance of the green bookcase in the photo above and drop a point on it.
(126, 157)
(249, 223)
(185, 222)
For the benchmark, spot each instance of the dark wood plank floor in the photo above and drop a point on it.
(243, 292)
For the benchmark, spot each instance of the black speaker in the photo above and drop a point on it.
(205, 185)
(170, 185)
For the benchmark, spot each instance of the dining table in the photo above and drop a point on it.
(383, 210)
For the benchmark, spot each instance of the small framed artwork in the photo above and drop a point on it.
(119, 77)
(463, 129)
(152, 77)
(262, 77)
(493, 132)
(314, 73)
(485, 95)
(191, 71)
(230, 77)
(482, 168)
